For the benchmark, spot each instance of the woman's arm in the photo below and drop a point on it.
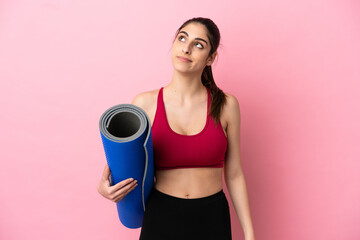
(234, 177)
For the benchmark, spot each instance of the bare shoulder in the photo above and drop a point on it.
(231, 110)
(146, 100)
(231, 105)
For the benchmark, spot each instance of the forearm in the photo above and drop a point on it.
(239, 197)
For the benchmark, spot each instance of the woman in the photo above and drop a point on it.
(196, 134)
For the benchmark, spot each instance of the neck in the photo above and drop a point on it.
(186, 85)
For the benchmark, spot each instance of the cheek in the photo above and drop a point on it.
(174, 50)
(173, 54)
(202, 56)
(176, 45)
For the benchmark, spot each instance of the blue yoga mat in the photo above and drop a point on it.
(126, 135)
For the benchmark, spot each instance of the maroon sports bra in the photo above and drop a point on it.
(173, 150)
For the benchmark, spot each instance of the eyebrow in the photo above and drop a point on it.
(200, 39)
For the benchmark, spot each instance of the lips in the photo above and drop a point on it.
(183, 59)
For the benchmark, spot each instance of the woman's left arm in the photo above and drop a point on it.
(234, 177)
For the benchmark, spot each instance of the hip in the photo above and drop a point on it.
(169, 217)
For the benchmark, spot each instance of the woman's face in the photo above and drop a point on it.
(191, 48)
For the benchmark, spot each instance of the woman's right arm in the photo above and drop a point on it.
(118, 191)
(146, 101)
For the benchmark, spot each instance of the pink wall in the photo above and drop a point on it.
(293, 65)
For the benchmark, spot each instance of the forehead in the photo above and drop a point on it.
(196, 30)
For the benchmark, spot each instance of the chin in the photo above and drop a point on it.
(182, 69)
(179, 67)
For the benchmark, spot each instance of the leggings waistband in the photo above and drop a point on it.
(188, 201)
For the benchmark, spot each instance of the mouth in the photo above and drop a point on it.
(183, 59)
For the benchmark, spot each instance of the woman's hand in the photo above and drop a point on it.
(118, 191)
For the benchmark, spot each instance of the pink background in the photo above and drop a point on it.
(293, 65)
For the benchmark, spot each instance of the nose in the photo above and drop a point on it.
(186, 49)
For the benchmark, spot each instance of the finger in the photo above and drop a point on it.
(121, 184)
(132, 186)
(125, 190)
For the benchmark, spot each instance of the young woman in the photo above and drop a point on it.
(196, 135)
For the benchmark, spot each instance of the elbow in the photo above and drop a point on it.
(233, 175)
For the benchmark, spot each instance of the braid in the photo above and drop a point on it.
(218, 98)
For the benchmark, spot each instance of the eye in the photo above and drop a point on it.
(199, 45)
(181, 38)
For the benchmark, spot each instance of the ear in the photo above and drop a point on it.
(211, 59)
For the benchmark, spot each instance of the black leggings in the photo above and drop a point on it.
(170, 218)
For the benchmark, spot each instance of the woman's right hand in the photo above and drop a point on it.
(118, 191)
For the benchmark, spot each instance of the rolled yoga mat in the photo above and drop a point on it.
(126, 135)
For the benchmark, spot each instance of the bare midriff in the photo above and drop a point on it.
(189, 182)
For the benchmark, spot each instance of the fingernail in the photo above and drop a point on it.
(131, 179)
